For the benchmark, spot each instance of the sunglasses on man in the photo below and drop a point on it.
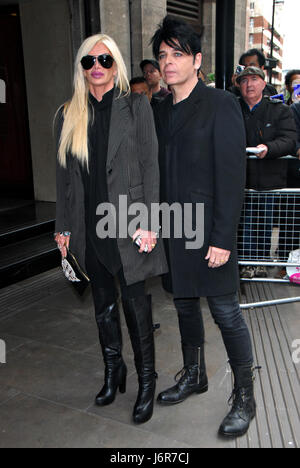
(105, 60)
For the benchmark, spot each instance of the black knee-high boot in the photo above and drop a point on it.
(138, 315)
(108, 321)
(193, 377)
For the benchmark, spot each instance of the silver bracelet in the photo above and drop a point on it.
(64, 233)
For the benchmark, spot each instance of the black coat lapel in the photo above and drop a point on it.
(191, 107)
(120, 113)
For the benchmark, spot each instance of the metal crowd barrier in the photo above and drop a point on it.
(269, 230)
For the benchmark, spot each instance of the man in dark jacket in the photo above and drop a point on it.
(254, 58)
(270, 128)
(202, 161)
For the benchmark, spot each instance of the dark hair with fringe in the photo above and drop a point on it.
(178, 35)
(137, 80)
(259, 54)
(289, 75)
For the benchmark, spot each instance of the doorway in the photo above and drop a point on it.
(16, 180)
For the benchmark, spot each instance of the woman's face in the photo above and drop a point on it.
(99, 76)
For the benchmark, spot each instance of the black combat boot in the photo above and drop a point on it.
(138, 315)
(243, 408)
(111, 343)
(193, 377)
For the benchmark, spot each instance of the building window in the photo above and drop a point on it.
(189, 10)
(251, 39)
(252, 5)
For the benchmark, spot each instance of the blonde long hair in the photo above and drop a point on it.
(74, 134)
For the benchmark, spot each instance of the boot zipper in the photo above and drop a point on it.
(199, 355)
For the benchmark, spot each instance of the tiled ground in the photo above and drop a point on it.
(54, 370)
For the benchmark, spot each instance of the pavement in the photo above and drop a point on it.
(54, 369)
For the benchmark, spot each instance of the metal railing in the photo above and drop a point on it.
(269, 231)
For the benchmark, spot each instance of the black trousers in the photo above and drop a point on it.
(102, 279)
(227, 315)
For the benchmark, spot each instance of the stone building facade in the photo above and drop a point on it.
(51, 32)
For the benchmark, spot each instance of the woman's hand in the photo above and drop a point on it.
(148, 238)
(62, 243)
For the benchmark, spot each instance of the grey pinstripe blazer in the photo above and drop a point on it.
(132, 169)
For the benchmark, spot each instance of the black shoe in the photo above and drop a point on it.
(193, 378)
(115, 378)
(138, 314)
(143, 409)
(243, 410)
(108, 320)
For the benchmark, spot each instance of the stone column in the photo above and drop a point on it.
(48, 72)
(209, 36)
(115, 21)
(145, 17)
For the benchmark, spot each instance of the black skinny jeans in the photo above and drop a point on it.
(227, 315)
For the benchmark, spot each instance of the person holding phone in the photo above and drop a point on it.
(107, 147)
(270, 128)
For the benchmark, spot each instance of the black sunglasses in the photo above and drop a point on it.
(105, 60)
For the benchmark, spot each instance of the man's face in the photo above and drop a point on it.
(151, 75)
(252, 87)
(177, 67)
(141, 88)
(251, 61)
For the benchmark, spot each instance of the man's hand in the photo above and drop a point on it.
(298, 153)
(148, 238)
(264, 153)
(217, 257)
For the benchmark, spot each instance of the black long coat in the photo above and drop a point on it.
(203, 160)
(132, 170)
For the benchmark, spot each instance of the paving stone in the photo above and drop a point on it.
(28, 422)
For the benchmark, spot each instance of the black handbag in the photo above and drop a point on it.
(74, 273)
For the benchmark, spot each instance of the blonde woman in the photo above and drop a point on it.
(107, 147)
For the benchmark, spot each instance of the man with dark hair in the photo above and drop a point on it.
(202, 161)
(139, 85)
(255, 58)
(152, 75)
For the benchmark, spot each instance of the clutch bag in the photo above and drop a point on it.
(74, 273)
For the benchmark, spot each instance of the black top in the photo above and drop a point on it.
(176, 112)
(95, 183)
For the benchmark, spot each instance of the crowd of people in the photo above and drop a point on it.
(182, 144)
